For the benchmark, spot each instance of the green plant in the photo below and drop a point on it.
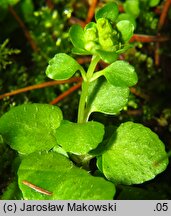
(140, 10)
(56, 154)
(5, 53)
(48, 34)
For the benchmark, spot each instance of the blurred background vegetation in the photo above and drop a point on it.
(32, 32)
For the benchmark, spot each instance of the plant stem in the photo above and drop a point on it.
(83, 73)
(97, 75)
(85, 86)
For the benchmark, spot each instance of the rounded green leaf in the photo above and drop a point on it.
(126, 16)
(62, 67)
(132, 7)
(90, 32)
(79, 138)
(57, 174)
(109, 11)
(90, 25)
(91, 37)
(27, 7)
(153, 3)
(121, 73)
(99, 163)
(106, 98)
(126, 29)
(136, 155)
(106, 56)
(31, 127)
(76, 34)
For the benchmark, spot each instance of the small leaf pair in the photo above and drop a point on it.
(37, 127)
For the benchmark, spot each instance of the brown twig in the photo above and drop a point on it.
(91, 11)
(134, 91)
(149, 38)
(158, 10)
(74, 20)
(36, 188)
(121, 8)
(25, 30)
(77, 86)
(163, 15)
(161, 22)
(38, 86)
(156, 54)
(66, 93)
(137, 112)
(50, 4)
(83, 60)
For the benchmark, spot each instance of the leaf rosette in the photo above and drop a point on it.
(106, 37)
